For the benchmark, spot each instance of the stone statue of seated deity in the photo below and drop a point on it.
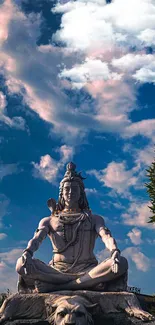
(72, 229)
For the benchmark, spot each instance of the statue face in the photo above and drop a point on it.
(71, 193)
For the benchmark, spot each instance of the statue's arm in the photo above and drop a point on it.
(39, 235)
(26, 260)
(105, 234)
(109, 242)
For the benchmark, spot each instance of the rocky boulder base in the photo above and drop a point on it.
(112, 308)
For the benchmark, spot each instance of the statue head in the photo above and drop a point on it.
(71, 191)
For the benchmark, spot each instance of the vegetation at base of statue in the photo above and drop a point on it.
(4, 295)
(151, 310)
(133, 289)
(151, 189)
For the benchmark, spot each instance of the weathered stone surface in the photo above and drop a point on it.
(114, 308)
(72, 229)
(27, 322)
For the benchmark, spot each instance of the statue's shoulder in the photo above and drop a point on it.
(45, 222)
(98, 219)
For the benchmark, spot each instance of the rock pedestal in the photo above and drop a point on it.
(112, 308)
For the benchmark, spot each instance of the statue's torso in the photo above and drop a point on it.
(66, 249)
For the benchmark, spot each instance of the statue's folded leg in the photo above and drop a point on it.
(41, 272)
(102, 273)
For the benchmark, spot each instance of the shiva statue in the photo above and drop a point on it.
(72, 229)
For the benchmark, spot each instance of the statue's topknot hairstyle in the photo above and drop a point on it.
(72, 175)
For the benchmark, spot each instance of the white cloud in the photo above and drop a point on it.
(91, 191)
(147, 36)
(7, 169)
(104, 25)
(11, 256)
(97, 42)
(102, 255)
(4, 203)
(145, 155)
(144, 128)
(2, 235)
(31, 77)
(66, 153)
(89, 33)
(138, 66)
(150, 241)
(90, 70)
(104, 39)
(131, 62)
(141, 261)
(138, 214)
(49, 168)
(145, 74)
(5, 16)
(116, 176)
(135, 236)
(142, 157)
(8, 276)
(118, 205)
(17, 121)
(3, 102)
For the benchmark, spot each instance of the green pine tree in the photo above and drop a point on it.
(151, 189)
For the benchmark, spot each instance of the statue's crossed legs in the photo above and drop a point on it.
(46, 278)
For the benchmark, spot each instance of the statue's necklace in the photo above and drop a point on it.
(67, 230)
(67, 224)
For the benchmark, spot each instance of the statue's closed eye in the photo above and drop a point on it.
(62, 313)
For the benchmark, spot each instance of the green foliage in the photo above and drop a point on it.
(151, 310)
(3, 296)
(151, 189)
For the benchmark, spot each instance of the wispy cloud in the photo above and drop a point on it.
(7, 169)
(4, 203)
(8, 276)
(91, 70)
(102, 255)
(142, 156)
(138, 214)
(49, 168)
(106, 24)
(142, 262)
(97, 44)
(107, 63)
(91, 191)
(116, 176)
(135, 236)
(17, 121)
(2, 235)
(144, 128)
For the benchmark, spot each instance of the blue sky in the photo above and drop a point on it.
(77, 84)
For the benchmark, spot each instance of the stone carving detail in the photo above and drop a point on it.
(72, 229)
(77, 307)
(72, 310)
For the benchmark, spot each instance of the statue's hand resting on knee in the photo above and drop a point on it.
(116, 260)
(27, 262)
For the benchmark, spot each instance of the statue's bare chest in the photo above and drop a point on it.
(68, 230)
(57, 224)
